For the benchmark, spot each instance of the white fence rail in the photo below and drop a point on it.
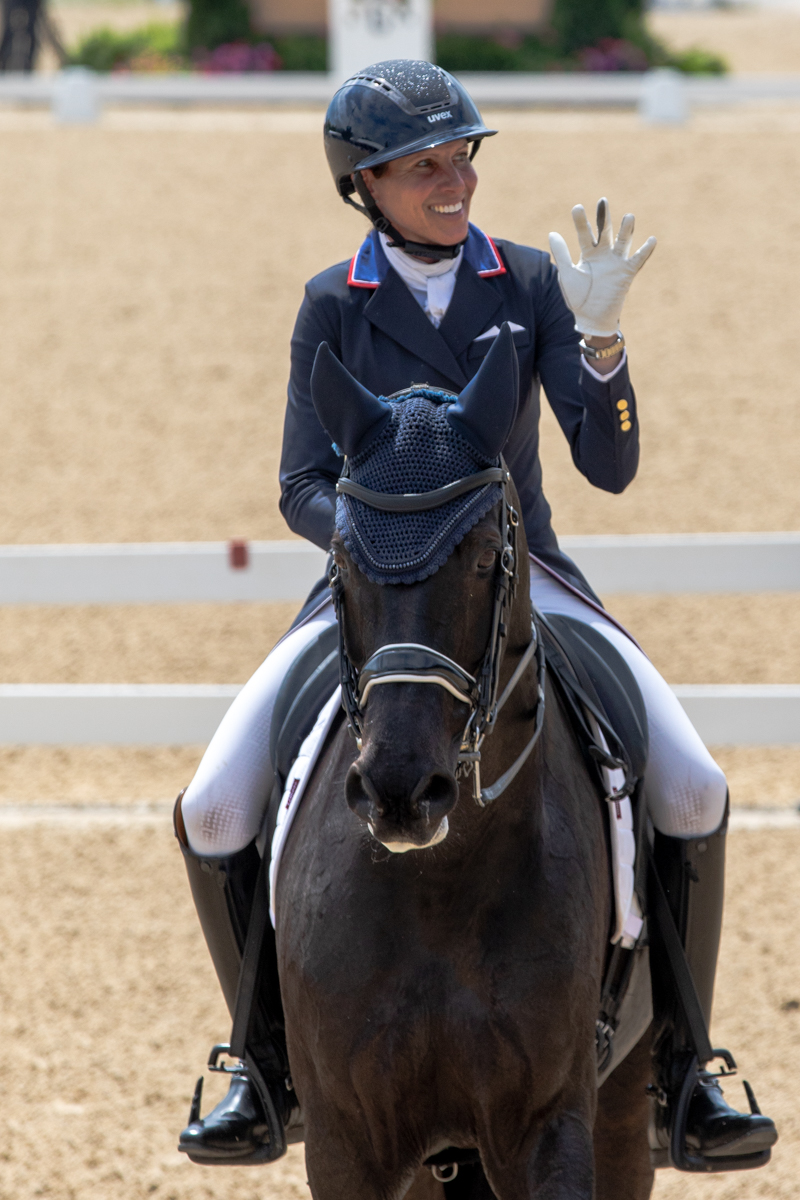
(178, 714)
(173, 714)
(695, 562)
(186, 572)
(505, 88)
(758, 714)
(165, 714)
(159, 572)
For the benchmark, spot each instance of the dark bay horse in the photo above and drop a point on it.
(441, 961)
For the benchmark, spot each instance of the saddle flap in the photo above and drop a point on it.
(613, 683)
(308, 683)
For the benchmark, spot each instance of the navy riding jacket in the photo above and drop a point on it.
(373, 324)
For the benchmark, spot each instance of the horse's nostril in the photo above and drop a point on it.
(438, 795)
(357, 796)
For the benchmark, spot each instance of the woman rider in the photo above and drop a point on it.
(423, 299)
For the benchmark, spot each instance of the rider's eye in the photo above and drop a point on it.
(487, 559)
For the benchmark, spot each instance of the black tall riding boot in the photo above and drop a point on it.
(249, 1125)
(693, 875)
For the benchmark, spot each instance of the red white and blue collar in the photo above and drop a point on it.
(370, 265)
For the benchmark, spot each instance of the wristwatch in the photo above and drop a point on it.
(606, 351)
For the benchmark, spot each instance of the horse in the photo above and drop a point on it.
(441, 942)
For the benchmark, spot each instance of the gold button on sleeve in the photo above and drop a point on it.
(622, 404)
(625, 426)
(624, 415)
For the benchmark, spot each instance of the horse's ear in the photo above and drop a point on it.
(350, 415)
(485, 410)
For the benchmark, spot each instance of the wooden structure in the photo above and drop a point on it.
(450, 16)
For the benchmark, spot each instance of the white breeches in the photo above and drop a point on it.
(684, 787)
(224, 805)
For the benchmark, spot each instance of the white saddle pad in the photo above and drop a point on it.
(295, 787)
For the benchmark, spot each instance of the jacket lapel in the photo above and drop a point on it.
(394, 311)
(475, 302)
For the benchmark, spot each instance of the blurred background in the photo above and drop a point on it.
(151, 266)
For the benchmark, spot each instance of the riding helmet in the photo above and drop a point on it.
(391, 109)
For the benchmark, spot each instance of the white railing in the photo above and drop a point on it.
(617, 89)
(220, 572)
(170, 714)
(185, 572)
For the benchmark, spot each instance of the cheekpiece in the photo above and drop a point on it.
(417, 450)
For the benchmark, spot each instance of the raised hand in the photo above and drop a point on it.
(596, 286)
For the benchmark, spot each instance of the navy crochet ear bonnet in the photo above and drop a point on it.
(418, 450)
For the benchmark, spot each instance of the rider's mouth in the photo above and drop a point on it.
(447, 209)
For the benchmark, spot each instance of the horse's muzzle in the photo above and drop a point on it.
(414, 819)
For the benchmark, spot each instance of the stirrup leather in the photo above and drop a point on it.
(679, 1102)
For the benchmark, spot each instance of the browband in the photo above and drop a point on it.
(421, 501)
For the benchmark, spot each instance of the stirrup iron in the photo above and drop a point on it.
(686, 1160)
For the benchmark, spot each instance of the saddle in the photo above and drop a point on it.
(577, 653)
(599, 691)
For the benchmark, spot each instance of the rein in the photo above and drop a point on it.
(410, 662)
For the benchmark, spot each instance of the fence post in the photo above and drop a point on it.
(361, 32)
(76, 100)
(663, 100)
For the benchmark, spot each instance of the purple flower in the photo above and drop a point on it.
(613, 54)
(238, 57)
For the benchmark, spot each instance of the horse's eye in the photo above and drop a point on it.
(487, 559)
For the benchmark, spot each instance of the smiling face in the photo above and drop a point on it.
(427, 195)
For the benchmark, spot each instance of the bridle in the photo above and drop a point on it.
(409, 662)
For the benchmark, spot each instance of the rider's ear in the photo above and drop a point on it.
(350, 415)
(485, 410)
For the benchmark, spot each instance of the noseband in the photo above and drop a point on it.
(409, 662)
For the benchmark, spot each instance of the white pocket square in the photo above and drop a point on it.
(493, 332)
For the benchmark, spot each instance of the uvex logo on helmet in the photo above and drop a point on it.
(443, 116)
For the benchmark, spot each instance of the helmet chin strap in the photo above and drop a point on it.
(384, 225)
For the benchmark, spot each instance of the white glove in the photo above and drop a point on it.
(596, 286)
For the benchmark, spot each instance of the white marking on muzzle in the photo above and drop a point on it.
(404, 847)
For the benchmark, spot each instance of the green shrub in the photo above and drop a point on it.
(301, 52)
(697, 61)
(213, 23)
(579, 24)
(459, 52)
(462, 52)
(106, 49)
